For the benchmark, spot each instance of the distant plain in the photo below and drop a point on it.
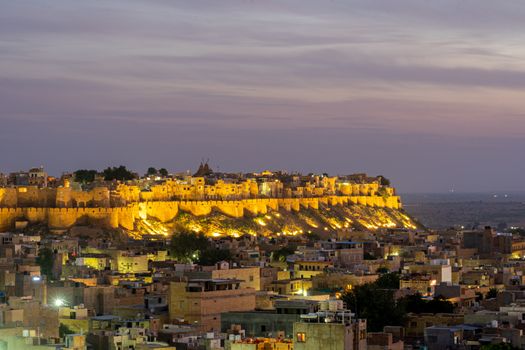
(442, 210)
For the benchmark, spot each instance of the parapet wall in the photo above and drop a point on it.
(165, 211)
(64, 218)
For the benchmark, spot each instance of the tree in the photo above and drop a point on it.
(212, 256)
(376, 302)
(45, 260)
(368, 256)
(188, 246)
(377, 305)
(63, 330)
(85, 176)
(383, 180)
(388, 281)
(121, 173)
(281, 254)
(151, 171)
(163, 172)
(416, 304)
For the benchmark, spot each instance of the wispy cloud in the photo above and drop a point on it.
(284, 76)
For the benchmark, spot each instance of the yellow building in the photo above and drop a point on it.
(296, 286)
(126, 263)
(422, 283)
(309, 269)
(95, 261)
(261, 344)
(250, 277)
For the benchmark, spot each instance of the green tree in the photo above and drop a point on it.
(388, 281)
(376, 302)
(120, 173)
(163, 172)
(368, 256)
(151, 171)
(383, 180)
(416, 304)
(45, 260)
(188, 246)
(212, 256)
(377, 305)
(85, 175)
(281, 254)
(63, 330)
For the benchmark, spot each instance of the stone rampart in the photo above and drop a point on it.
(166, 211)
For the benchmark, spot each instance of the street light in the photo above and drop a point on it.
(58, 302)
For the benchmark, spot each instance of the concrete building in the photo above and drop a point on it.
(270, 323)
(330, 330)
(443, 338)
(201, 301)
(383, 341)
(345, 253)
(250, 277)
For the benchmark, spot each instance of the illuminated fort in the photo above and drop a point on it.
(156, 205)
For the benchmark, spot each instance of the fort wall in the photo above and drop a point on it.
(164, 211)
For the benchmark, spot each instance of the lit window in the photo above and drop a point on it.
(301, 337)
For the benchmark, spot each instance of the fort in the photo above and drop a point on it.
(120, 205)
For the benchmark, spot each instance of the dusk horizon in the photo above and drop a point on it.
(426, 95)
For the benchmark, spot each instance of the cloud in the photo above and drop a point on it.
(376, 85)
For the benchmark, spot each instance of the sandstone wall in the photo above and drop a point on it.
(64, 218)
(165, 211)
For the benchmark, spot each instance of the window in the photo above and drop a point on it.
(301, 337)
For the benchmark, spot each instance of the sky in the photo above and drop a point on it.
(428, 93)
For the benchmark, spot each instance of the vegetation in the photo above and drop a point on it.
(383, 180)
(281, 254)
(416, 304)
(85, 175)
(151, 171)
(212, 256)
(368, 256)
(188, 246)
(63, 330)
(163, 172)
(377, 303)
(45, 260)
(388, 281)
(120, 173)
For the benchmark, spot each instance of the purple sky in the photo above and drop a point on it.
(429, 93)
